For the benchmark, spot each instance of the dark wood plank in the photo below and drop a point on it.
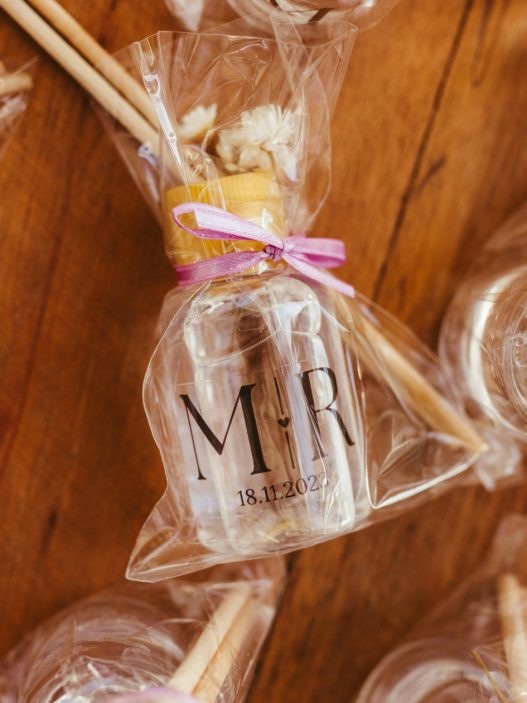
(424, 179)
(429, 155)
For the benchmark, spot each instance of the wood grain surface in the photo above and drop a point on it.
(430, 156)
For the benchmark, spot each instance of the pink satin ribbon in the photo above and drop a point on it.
(308, 256)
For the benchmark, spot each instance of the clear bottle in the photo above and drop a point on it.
(484, 341)
(108, 645)
(262, 400)
(435, 670)
(277, 438)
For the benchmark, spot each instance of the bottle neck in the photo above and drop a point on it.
(254, 197)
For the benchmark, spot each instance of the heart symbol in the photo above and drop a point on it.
(284, 421)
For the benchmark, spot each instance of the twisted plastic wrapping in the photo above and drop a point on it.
(15, 84)
(462, 651)
(483, 340)
(139, 644)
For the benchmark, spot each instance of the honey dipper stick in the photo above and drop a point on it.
(199, 659)
(511, 606)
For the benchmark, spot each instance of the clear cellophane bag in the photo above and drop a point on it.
(473, 647)
(178, 641)
(15, 86)
(286, 413)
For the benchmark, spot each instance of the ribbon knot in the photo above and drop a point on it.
(309, 256)
(274, 253)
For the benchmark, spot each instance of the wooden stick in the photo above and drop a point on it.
(97, 56)
(490, 676)
(200, 657)
(16, 83)
(81, 71)
(511, 605)
(228, 653)
(427, 402)
(435, 410)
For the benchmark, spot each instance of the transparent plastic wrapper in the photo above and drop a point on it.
(473, 648)
(483, 336)
(15, 85)
(180, 641)
(286, 413)
(194, 14)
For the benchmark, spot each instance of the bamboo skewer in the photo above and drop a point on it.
(209, 646)
(228, 653)
(427, 402)
(97, 56)
(16, 83)
(511, 606)
(87, 76)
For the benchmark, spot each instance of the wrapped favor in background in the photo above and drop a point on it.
(194, 14)
(483, 337)
(182, 641)
(15, 86)
(474, 646)
(287, 409)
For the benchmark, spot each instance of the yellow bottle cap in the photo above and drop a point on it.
(252, 196)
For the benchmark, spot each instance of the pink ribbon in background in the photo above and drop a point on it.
(308, 256)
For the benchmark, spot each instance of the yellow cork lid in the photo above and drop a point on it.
(252, 196)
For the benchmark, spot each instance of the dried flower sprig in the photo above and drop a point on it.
(197, 122)
(267, 137)
(189, 12)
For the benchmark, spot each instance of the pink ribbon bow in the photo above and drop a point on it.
(309, 256)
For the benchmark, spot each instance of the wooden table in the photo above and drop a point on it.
(430, 156)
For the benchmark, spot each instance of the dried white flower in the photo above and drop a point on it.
(196, 123)
(188, 11)
(266, 137)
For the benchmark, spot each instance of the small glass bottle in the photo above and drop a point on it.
(434, 670)
(191, 641)
(259, 392)
(109, 645)
(484, 340)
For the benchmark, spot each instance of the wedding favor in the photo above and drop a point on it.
(287, 409)
(474, 646)
(484, 334)
(15, 84)
(176, 642)
(199, 13)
